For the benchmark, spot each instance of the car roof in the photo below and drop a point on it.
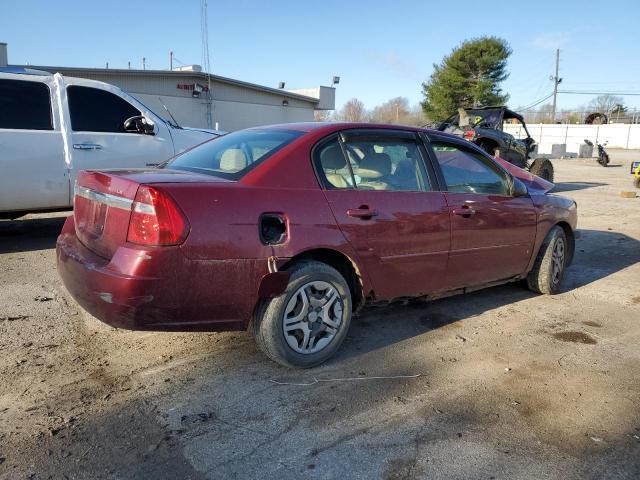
(507, 113)
(329, 127)
(23, 71)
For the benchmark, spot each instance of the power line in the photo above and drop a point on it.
(537, 102)
(582, 92)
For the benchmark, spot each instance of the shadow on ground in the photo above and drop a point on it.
(29, 234)
(600, 253)
(214, 413)
(572, 186)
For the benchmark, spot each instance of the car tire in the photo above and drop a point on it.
(636, 182)
(489, 147)
(317, 282)
(542, 168)
(548, 269)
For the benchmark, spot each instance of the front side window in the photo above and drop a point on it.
(375, 162)
(466, 171)
(25, 105)
(233, 155)
(95, 110)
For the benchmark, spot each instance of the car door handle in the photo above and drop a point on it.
(87, 146)
(363, 212)
(464, 211)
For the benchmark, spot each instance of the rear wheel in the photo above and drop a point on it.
(305, 325)
(548, 269)
(543, 168)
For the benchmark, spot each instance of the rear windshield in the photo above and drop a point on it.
(233, 155)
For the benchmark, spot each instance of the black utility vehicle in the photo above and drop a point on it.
(483, 126)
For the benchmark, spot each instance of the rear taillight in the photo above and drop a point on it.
(469, 134)
(156, 219)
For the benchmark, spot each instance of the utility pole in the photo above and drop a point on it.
(171, 61)
(556, 81)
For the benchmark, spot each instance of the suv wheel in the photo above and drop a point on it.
(542, 168)
(305, 325)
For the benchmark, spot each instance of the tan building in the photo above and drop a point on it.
(196, 99)
(231, 105)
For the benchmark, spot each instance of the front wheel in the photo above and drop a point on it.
(305, 326)
(548, 269)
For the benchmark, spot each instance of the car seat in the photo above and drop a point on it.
(332, 159)
(233, 160)
(374, 170)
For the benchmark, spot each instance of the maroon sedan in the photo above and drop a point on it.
(288, 229)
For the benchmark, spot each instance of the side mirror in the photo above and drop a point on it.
(139, 124)
(518, 189)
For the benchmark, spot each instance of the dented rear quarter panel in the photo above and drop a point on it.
(224, 235)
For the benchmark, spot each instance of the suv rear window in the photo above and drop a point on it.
(233, 155)
(25, 105)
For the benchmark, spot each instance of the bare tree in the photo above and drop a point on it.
(395, 110)
(322, 115)
(606, 104)
(353, 111)
(398, 110)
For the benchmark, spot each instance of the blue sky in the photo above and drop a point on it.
(380, 49)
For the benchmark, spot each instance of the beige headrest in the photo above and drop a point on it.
(233, 160)
(375, 165)
(332, 158)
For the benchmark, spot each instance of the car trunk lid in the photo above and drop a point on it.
(103, 203)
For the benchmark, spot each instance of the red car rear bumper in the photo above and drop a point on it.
(159, 289)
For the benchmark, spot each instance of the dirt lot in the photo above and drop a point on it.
(500, 383)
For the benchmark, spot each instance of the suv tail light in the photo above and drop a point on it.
(156, 219)
(469, 135)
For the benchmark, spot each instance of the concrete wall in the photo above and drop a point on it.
(229, 115)
(617, 135)
(326, 96)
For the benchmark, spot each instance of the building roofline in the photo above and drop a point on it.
(176, 73)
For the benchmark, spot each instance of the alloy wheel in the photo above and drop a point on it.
(557, 260)
(312, 317)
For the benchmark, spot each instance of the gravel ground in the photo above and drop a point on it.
(501, 383)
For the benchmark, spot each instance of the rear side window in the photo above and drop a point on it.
(95, 110)
(466, 171)
(376, 161)
(333, 165)
(231, 156)
(25, 105)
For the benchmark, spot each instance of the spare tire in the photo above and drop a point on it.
(543, 168)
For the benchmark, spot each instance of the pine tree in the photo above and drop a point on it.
(468, 77)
